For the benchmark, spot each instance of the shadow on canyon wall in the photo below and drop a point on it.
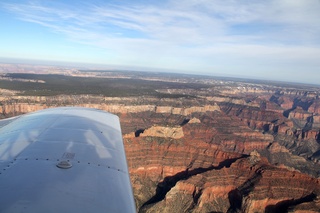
(169, 182)
(284, 206)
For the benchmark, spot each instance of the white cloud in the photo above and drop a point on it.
(185, 22)
(190, 33)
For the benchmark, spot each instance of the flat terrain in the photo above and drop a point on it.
(47, 84)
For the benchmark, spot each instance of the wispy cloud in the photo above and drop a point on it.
(188, 33)
(182, 21)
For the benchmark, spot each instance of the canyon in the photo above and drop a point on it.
(226, 146)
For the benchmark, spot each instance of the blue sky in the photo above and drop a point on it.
(269, 39)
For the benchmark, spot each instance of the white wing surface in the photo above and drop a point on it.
(64, 160)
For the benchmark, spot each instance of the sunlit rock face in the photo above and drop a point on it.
(214, 165)
(243, 187)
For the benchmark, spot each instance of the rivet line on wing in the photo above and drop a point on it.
(11, 163)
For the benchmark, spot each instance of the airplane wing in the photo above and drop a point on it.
(64, 160)
(6, 121)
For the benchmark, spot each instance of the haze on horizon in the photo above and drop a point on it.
(272, 39)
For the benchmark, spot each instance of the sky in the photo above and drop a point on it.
(266, 39)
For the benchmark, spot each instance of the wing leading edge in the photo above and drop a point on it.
(64, 160)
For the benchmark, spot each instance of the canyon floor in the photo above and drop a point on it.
(195, 143)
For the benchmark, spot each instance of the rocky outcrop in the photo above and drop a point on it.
(243, 186)
(285, 102)
(186, 111)
(315, 107)
(316, 121)
(300, 117)
(163, 132)
(233, 100)
(194, 121)
(254, 117)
